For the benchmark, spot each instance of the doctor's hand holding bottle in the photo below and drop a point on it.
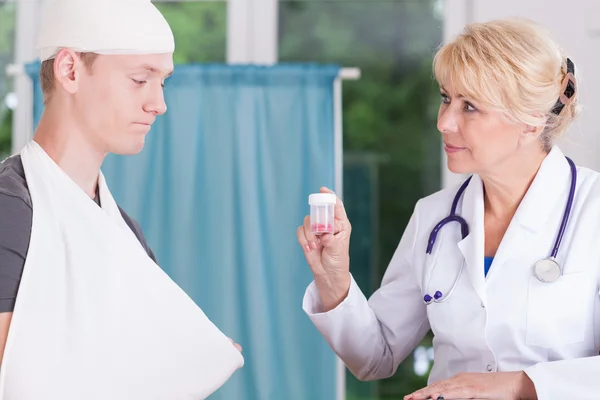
(328, 256)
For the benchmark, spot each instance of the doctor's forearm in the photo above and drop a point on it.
(526, 388)
(333, 289)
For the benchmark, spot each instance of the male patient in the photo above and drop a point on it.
(85, 312)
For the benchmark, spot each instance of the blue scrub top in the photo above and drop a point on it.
(487, 263)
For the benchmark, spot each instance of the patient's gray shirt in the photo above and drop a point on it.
(15, 229)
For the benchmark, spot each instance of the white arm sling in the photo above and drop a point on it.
(95, 317)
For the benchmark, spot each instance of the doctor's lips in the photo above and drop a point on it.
(452, 149)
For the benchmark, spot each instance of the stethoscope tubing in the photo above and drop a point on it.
(438, 296)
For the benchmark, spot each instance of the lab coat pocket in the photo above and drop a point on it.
(557, 312)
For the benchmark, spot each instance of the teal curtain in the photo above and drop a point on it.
(219, 190)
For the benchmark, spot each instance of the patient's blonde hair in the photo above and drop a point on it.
(511, 66)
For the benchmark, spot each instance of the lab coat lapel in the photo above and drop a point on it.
(472, 246)
(537, 207)
(532, 214)
(549, 190)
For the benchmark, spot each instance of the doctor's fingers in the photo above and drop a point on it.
(312, 240)
(313, 256)
(457, 387)
(455, 393)
(310, 243)
(307, 245)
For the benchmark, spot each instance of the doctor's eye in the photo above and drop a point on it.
(469, 107)
(138, 82)
(445, 98)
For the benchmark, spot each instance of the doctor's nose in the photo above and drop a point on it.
(447, 121)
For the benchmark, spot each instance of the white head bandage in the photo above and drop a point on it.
(104, 27)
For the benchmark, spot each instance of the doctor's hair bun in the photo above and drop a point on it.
(512, 66)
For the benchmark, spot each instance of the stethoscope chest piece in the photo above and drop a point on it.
(547, 270)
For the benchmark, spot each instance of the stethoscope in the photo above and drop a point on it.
(546, 270)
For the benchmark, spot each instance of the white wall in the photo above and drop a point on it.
(577, 29)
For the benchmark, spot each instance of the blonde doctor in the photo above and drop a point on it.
(503, 267)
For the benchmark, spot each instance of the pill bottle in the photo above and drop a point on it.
(321, 212)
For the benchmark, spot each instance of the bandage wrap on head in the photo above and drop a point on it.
(567, 89)
(104, 27)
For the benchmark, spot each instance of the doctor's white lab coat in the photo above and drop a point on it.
(506, 321)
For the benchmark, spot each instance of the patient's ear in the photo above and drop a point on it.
(67, 70)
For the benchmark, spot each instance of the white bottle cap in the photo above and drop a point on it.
(322, 198)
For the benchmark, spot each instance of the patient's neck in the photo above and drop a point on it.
(64, 142)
